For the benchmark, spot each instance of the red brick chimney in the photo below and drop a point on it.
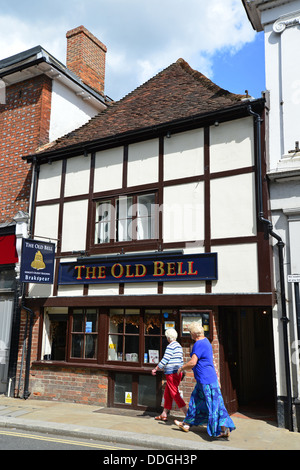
(86, 57)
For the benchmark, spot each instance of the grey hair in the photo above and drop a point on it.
(196, 328)
(171, 334)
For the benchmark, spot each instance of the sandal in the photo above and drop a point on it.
(161, 418)
(224, 434)
(182, 426)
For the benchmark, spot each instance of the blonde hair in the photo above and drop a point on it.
(196, 328)
(171, 334)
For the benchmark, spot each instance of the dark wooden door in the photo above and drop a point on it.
(229, 358)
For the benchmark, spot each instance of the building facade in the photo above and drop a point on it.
(279, 20)
(153, 209)
(40, 100)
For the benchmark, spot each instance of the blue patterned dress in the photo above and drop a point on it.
(206, 404)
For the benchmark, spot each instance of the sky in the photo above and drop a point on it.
(143, 37)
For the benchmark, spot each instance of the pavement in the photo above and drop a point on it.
(138, 428)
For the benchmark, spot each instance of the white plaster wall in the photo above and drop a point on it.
(135, 288)
(46, 222)
(290, 39)
(103, 289)
(184, 287)
(237, 269)
(285, 196)
(232, 145)
(143, 162)
(184, 154)
(68, 111)
(40, 290)
(108, 169)
(74, 225)
(49, 181)
(233, 208)
(283, 82)
(77, 176)
(183, 212)
(70, 291)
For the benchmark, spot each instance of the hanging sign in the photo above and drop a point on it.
(37, 262)
(158, 267)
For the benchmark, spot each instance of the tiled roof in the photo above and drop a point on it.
(178, 92)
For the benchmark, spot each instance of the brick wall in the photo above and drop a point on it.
(77, 385)
(24, 125)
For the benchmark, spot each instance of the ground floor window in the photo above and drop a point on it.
(84, 333)
(138, 335)
(124, 336)
(55, 334)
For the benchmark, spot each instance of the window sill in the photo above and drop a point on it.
(93, 365)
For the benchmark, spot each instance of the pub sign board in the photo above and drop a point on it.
(126, 268)
(37, 262)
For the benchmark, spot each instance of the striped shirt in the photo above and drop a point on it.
(173, 358)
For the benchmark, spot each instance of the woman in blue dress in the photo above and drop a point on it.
(206, 404)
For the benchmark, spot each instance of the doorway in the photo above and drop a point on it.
(247, 360)
(6, 316)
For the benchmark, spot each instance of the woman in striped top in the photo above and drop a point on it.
(170, 363)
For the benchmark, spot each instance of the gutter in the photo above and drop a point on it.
(38, 55)
(280, 245)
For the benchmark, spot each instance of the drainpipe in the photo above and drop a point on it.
(280, 245)
(36, 170)
(26, 392)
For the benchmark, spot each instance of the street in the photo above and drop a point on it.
(23, 440)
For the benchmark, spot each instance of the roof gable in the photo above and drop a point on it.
(176, 93)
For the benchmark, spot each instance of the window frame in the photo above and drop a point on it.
(71, 333)
(134, 218)
(144, 311)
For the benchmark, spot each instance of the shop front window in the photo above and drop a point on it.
(84, 333)
(135, 337)
(55, 334)
(124, 335)
(152, 336)
(138, 336)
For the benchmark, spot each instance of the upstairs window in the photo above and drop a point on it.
(126, 218)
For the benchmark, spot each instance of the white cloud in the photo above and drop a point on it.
(142, 36)
(17, 36)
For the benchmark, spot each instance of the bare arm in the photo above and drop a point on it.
(189, 365)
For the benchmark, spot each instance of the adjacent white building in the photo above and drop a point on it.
(280, 20)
